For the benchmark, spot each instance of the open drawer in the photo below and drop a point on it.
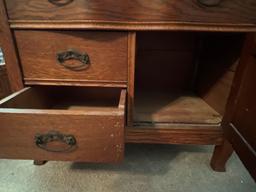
(63, 123)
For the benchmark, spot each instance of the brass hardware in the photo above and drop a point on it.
(73, 55)
(210, 3)
(60, 2)
(42, 141)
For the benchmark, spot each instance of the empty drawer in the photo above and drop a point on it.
(63, 123)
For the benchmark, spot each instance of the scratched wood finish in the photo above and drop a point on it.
(173, 108)
(9, 51)
(235, 11)
(99, 132)
(107, 52)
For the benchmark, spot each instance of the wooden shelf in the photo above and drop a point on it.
(158, 107)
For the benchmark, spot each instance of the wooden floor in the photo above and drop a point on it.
(167, 108)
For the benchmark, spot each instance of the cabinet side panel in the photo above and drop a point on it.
(218, 59)
(8, 47)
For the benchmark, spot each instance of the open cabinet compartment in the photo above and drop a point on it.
(184, 78)
(63, 123)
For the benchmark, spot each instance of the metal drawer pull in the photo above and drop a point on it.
(73, 55)
(210, 3)
(42, 141)
(60, 2)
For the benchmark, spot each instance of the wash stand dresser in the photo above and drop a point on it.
(92, 75)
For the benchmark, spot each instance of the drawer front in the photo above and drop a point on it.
(70, 57)
(86, 136)
(228, 11)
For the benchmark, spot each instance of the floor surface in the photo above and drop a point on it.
(147, 168)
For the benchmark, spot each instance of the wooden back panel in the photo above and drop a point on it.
(165, 61)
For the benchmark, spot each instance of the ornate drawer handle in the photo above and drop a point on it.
(60, 2)
(42, 141)
(74, 55)
(210, 3)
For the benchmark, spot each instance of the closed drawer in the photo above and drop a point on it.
(73, 57)
(228, 11)
(63, 123)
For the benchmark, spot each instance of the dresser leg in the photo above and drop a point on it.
(220, 156)
(39, 162)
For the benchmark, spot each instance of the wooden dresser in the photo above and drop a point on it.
(92, 75)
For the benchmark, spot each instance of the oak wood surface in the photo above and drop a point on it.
(171, 108)
(9, 51)
(19, 124)
(131, 76)
(130, 26)
(72, 82)
(107, 52)
(235, 11)
(220, 156)
(99, 133)
(239, 120)
(175, 134)
(4, 83)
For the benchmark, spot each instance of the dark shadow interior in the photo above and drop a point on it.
(72, 98)
(184, 77)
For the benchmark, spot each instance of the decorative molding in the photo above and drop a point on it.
(72, 82)
(130, 26)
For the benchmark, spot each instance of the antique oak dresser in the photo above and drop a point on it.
(89, 76)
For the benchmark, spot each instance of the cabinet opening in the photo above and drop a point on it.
(184, 77)
(64, 98)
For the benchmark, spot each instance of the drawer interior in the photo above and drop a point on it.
(184, 77)
(64, 98)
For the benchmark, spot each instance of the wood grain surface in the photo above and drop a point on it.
(175, 134)
(107, 52)
(4, 83)
(9, 51)
(238, 125)
(235, 11)
(184, 108)
(99, 130)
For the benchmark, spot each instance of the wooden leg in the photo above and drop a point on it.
(39, 162)
(220, 156)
